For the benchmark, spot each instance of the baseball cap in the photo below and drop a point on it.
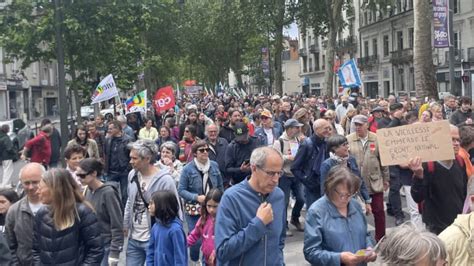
(378, 109)
(360, 119)
(240, 131)
(266, 113)
(292, 123)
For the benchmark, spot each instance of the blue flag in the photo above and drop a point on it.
(349, 74)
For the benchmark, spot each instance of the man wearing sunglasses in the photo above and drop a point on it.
(251, 215)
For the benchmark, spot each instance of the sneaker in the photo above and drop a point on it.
(288, 232)
(296, 223)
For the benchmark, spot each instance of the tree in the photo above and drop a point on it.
(425, 81)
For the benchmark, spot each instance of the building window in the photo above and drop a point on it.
(457, 40)
(316, 61)
(305, 67)
(323, 65)
(375, 47)
(410, 38)
(366, 48)
(400, 40)
(456, 6)
(386, 46)
(399, 6)
(310, 68)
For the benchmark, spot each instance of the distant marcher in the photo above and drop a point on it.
(81, 138)
(464, 114)
(38, 149)
(169, 161)
(149, 131)
(56, 143)
(7, 154)
(7, 198)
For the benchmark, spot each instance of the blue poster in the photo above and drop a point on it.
(441, 24)
(349, 75)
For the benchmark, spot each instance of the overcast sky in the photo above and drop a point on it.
(292, 31)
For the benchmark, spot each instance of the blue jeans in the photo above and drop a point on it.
(193, 250)
(310, 197)
(122, 179)
(290, 184)
(136, 252)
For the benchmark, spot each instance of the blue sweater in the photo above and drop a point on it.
(240, 237)
(167, 245)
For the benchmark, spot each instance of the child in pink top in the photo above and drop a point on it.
(205, 226)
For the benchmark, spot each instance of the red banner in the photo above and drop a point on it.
(164, 99)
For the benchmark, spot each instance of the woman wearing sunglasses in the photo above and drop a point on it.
(336, 228)
(105, 198)
(197, 178)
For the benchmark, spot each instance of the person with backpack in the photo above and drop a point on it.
(441, 186)
(287, 145)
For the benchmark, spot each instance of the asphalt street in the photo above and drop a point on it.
(293, 245)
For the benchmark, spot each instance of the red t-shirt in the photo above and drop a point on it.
(40, 147)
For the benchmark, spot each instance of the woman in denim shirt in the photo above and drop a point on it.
(197, 178)
(336, 228)
(338, 148)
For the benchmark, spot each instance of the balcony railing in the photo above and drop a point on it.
(347, 44)
(401, 57)
(368, 61)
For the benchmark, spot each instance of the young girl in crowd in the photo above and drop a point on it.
(205, 226)
(167, 244)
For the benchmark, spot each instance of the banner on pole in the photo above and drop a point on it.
(105, 90)
(441, 24)
(136, 103)
(164, 99)
(349, 74)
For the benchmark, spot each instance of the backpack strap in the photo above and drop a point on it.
(281, 145)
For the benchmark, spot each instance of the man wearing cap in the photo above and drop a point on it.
(378, 119)
(270, 130)
(287, 145)
(343, 107)
(238, 153)
(311, 154)
(364, 147)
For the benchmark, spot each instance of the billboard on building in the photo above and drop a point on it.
(441, 24)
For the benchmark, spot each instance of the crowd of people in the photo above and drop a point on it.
(211, 181)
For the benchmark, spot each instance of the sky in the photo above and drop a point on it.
(292, 31)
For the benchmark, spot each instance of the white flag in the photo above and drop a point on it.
(105, 90)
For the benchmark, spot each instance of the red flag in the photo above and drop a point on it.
(164, 99)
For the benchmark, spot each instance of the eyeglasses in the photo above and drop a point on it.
(344, 196)
(271, 173)
(203, 150)
(82, 175)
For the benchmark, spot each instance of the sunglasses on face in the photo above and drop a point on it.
(202, 150)
(82, 175)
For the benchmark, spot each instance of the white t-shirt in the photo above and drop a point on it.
(269, 133)
(35, 207)
(141, 229)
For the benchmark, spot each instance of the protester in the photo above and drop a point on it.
(117, 157)
(7, 154)
(217, 149)
(56, 144)
(343, 107)
(270, 130)
(407, 245)
(21, 215)
(237, 156)
(204, 229)
(251, 222)
(105, 198)
(346, 122)
(7, 198)
(364, 147)
(458, 236)
(302, 116)
(74, 154)
(197, 179)
(38, 149)
(125, 127)
(185, 145)
(285, 112)
(167, 245)
(338, 148)
(81, 139)
(168, 161)
(192, 120)
(144, 180)
(149, 131)
(165, 135)
(100, 124)
(227, 130)
(99, 138)
(464, 114)
(437, 111)
(171, 124)
(442, 187)
(426, 116)
(307, 164)
(449, 106)
(5, 256)
(330, 116)
(332, 218)
(66, 231)
(288, 145)
(378, 119)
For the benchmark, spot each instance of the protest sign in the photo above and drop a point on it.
(429, 141)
